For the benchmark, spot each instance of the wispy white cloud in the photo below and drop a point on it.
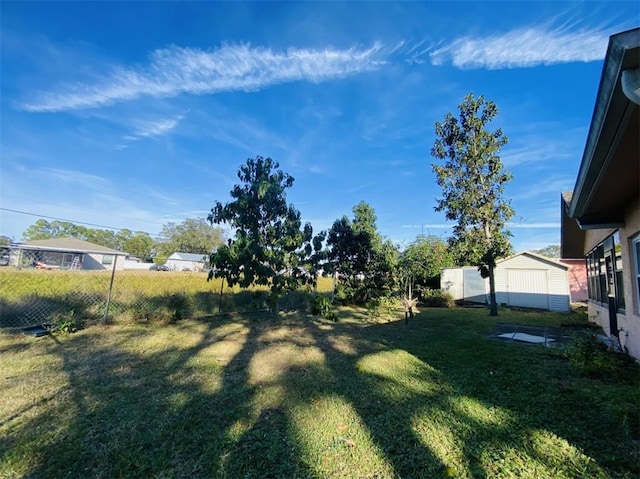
(533, 225)
(522, 48)
(87, 180)
(549, 187)
(434, 226)
(175, 70)
(154, 129)
(158, 128)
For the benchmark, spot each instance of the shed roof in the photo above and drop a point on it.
(71, 245)
(537, 257)
(188, 256)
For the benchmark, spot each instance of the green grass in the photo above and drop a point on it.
(29, 296)
(247, 397)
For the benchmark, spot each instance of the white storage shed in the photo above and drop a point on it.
(525, 280)
(529, 280)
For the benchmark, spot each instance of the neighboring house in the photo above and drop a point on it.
(525, 280)
(601, 216)
(577, 279)
(65, 253)
(187, 262)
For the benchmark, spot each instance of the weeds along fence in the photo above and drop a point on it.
(32, 296)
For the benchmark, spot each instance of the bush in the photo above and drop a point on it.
(66, 323)
(592, 357)
(178, 306)
(321, 306)
(437, 298)
(383, 307)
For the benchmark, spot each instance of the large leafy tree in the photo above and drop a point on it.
(139, 244)
(43, 229)
(421, 262)
(269, 247)
(193, 235)
(472, 179)
(361, 259)
(550, 251)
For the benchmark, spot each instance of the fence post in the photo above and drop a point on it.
(113, 273)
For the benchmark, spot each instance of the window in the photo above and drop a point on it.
(619, 283)
(636, 255)
(107, 259)
(604, 272)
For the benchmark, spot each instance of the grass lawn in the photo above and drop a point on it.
(247, 397)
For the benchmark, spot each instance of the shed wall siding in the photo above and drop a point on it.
(544, 279)
(451, 281)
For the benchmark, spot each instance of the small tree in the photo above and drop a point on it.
(472, 181)
(360, 258)
(421, 263)
(268, 245)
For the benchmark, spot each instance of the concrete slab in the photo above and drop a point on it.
(556, 337)
(527, 338)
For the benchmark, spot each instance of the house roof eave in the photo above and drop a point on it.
(612, 113)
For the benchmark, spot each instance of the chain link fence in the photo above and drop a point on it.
(41, 288)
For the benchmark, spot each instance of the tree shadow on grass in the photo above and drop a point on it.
(145, 413)
(549, 404)
(242, 397)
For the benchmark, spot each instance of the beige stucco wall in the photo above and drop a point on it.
(629, 322)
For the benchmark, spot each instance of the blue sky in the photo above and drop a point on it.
(135, 114)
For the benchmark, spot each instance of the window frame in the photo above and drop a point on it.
(635, 248)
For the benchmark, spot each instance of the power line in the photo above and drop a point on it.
(73, 221)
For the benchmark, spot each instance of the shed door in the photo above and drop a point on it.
(528, 288)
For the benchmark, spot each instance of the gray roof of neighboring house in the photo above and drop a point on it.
(72, 245)
(198, 258)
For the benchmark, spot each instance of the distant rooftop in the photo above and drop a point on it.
(188, 256)
(73, 245)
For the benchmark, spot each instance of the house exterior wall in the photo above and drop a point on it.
(95, 261)
(137, 265)
(184, 265)
(577, 279)
(534, 282)
(629, 321)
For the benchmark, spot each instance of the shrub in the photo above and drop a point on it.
(321, 306)
(66, 323)
(383, 307)
(592, 357)
(437, 298)
(178, 306)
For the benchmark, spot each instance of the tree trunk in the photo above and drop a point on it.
(221, 290)
(493, 305)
